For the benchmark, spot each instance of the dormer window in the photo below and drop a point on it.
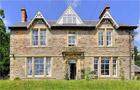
(69, 19)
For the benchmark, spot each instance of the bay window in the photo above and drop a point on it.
(40, 66)
(103, 65)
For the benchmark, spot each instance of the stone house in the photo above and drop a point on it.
(63, 48)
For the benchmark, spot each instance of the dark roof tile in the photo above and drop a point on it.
(53, 23)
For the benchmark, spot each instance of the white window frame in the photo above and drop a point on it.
(69, 19)
(109, 39)
(39, 63)
(32, 36)
(39, 36)
(33, 67)
(97, 65)
(100, 38)
(104, 68)
(27, 67)
(116, 58)
(75, 35)
(50, 73)
(43, 29)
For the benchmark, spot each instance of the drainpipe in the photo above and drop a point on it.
(130, 53)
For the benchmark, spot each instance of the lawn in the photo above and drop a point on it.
(69, 85)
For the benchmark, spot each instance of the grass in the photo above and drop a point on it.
(69, 85)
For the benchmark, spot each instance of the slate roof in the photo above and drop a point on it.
(136, 68)
(87, 23)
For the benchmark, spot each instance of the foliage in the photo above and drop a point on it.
(136, 77)
(87, 74)
(69, 85)
(17, 78)
(4, 48)
(137, 57)
(66, 76)
(72, 49)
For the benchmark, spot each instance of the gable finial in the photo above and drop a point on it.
(71, 3)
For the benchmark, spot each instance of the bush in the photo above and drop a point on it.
(17, 78)
(136, 77)
(87, 74)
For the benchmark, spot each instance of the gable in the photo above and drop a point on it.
(39, 23)
(107, 16)
(69, 17)
(106, 23)
(38, 16)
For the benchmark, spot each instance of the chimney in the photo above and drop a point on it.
(23, 15)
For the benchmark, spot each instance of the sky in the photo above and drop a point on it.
(123, 11)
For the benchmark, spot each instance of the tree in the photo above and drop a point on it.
(4, 48)
(137, 56)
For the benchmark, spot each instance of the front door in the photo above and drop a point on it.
(73, 71)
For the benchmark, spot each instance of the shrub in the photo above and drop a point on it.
(17, 78)
(136, 77)
(66, 76)
(87, 74)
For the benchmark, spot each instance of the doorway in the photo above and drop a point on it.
(72, 69)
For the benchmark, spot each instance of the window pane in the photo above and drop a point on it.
(29, 66)
(69, 19)
(39, 66)
(102, 72)
(34, 37)
(106, 72)
(96, 65)
(100, 38)
(105, 66)
(42, 37)
(74, 20)
(64, 19)
(72, 39)
(114, 65)
(109, 38)
(48, 66)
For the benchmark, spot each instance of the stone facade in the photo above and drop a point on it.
(87, 42)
